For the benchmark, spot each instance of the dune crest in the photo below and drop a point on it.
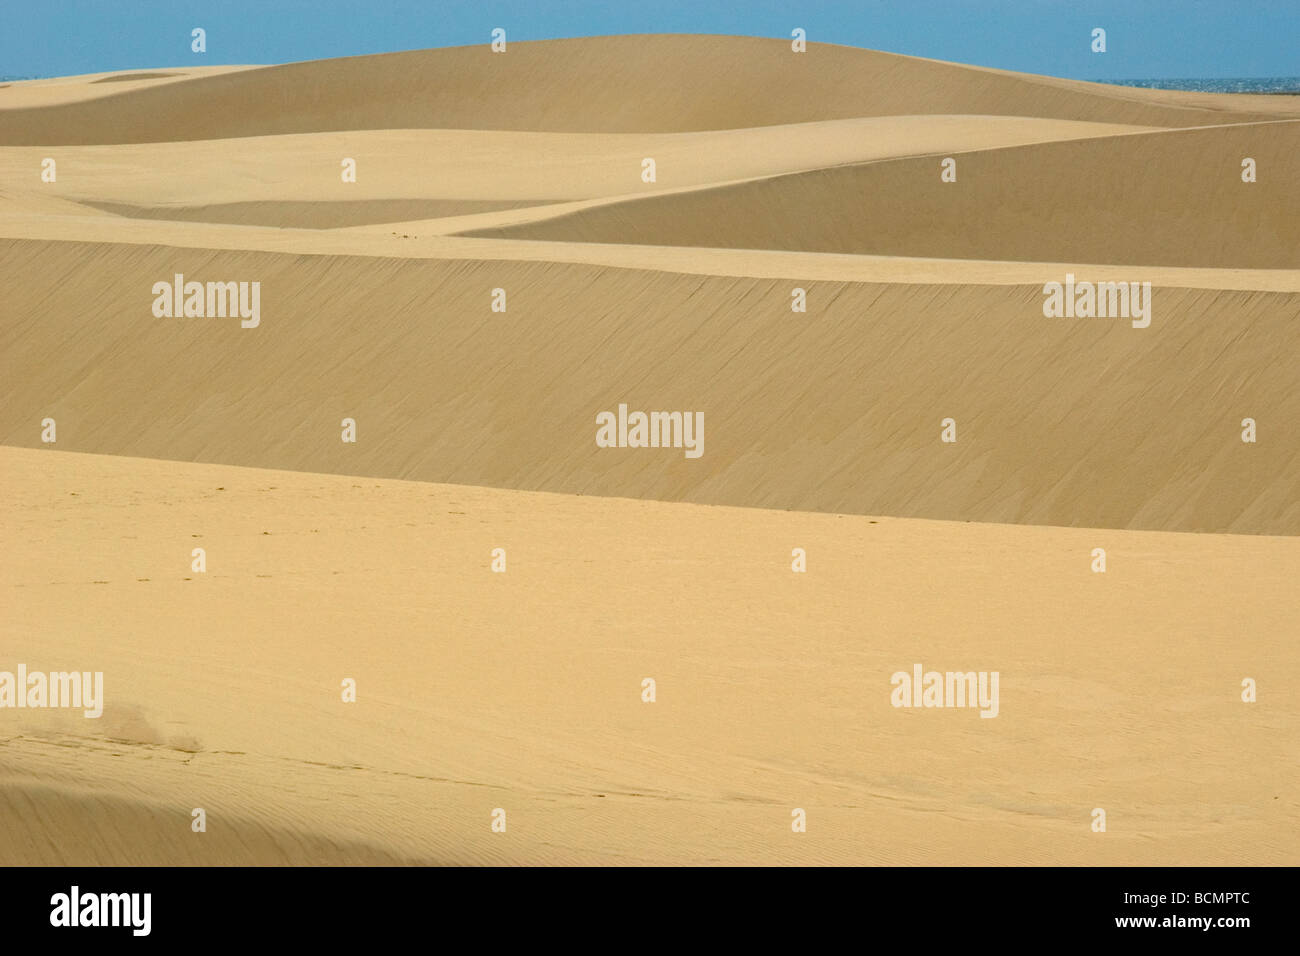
(616, 84)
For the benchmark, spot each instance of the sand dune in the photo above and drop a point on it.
(1085, 422)
(776, 698)
(522, 690)
(598, 84)
(1170, 198)
(105, 824)
(315, 215)
(63, 90)
(51, 218)
(482, 165)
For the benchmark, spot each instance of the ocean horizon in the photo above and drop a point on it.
(1262, 84)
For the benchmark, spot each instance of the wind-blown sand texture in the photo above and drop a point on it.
(523, 690)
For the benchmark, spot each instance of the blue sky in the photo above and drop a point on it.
(1155, 39)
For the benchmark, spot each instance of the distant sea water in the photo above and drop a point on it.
(1265, 84)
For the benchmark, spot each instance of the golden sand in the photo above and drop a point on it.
(523, 691)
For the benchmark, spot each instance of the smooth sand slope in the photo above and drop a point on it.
(666, 83)
(1172, 198)
(305, 214)
(1086, 422)
(522, 690)
(84, 87)
(492, 165)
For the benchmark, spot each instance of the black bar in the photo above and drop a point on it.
(979, 906)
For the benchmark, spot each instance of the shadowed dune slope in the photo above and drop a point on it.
(115, 827)
(131, 77)
(1085, 422)
(1171, 198)
(599, 84)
